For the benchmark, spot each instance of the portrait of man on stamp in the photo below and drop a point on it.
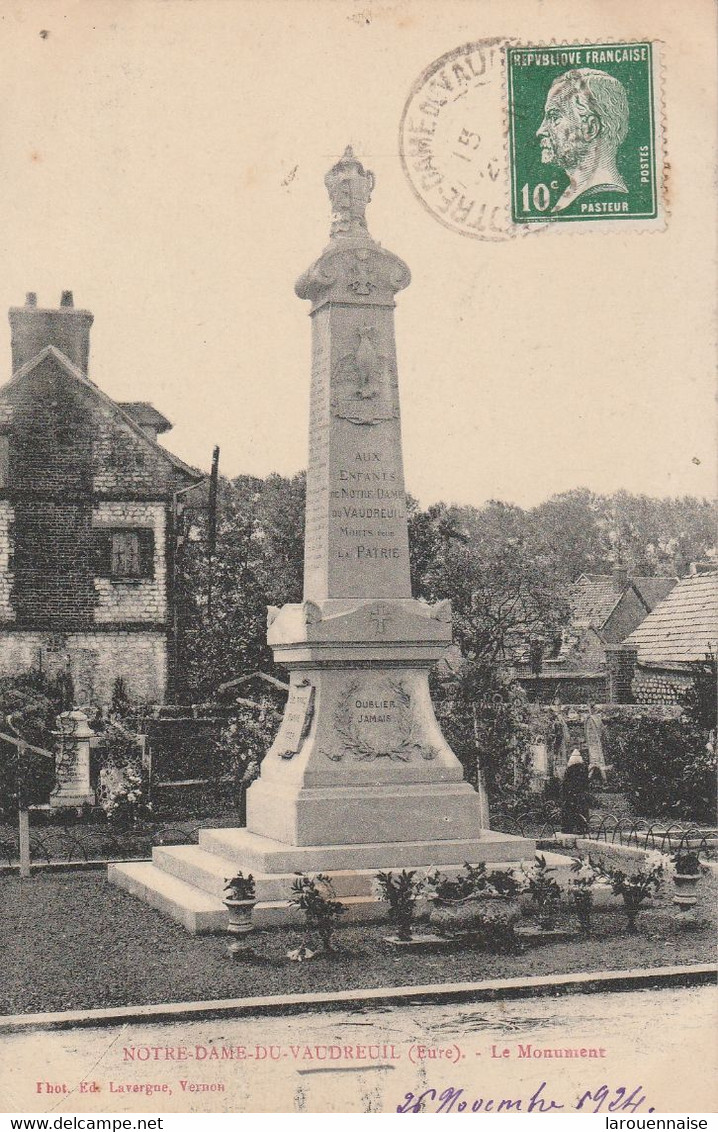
(585, 122)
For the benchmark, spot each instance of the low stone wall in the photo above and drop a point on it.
(95, 661)
(659, 686)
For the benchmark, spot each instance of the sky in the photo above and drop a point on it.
(165, 162)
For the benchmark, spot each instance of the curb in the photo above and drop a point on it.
(491, 990)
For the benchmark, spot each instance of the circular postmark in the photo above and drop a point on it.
(453, 141)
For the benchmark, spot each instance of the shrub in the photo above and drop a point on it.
(401, 892)
(239, 887)
(665, 766)
(634, 888)
(29, 705)
(545, 893)
(314, 896)
(487, 724)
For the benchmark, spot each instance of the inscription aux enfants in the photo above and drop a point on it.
(375, 488)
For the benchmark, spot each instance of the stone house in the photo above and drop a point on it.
(605, 609)
(653, 664)
(88, 518)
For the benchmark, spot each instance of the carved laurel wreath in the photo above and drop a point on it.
(353, 737)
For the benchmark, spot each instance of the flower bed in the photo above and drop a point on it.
(71, 941)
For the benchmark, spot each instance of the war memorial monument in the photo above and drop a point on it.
(360, 777)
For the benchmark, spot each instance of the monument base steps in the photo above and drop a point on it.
(185, 882)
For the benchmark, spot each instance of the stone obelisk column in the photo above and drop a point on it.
(359, 758)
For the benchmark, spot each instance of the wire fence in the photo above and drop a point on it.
(78, 845)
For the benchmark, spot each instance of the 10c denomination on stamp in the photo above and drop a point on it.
(497, 140)
(583, 136)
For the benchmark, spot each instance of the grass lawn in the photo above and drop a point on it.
(72, 941)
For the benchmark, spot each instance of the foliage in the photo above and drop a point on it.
(699, 701)
(489, 564)
(581, 532)
(126, 798)
(314, 896)
(401, 892)
(239, 887)
(258, 562)
(634, 888)
(580, 893)
(245, 739)
(686, 862)
(485, 719)
(666, 767)
(545, 892)
(493, 927)
(29, 706)
(472, 880)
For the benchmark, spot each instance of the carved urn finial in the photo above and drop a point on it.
(349, 186)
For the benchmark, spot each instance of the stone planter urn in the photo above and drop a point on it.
(685, 898)
(685, 880)
(239, 900)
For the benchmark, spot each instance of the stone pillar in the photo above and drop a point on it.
(359, 758)
(621, 664)
(72, 763)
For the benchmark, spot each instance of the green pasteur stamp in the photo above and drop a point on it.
(583, 141)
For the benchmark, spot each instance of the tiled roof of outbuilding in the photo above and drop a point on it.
(595, 596)
(683, 627)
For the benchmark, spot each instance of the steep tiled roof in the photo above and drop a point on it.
(683, 626)
(593, 599)
(595, 596)
(653, 590)
(114, 406)
(145, 414)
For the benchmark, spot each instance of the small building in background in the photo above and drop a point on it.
(653, 664)
(605, 609)
(88, 513)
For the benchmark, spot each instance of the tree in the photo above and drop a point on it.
(500, 584)
(257, 563)
(485, 720)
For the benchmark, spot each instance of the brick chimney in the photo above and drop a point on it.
(620, 578)
(33, 328)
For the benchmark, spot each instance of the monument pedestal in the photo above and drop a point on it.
(360, 778)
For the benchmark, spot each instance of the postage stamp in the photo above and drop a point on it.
(582, 122)
(499, 139)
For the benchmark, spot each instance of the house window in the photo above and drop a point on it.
(125, 553)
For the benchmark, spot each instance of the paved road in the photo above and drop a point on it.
(657, 1046)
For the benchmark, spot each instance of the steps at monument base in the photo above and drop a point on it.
(208, 872)
(185, 882)
(197, 911)
(202, 914)
(262, 855)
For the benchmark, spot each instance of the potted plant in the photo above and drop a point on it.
(545, 894)
(401, 892)
(239, 899)
(314, 896)
(580, 893)
(635, 888)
